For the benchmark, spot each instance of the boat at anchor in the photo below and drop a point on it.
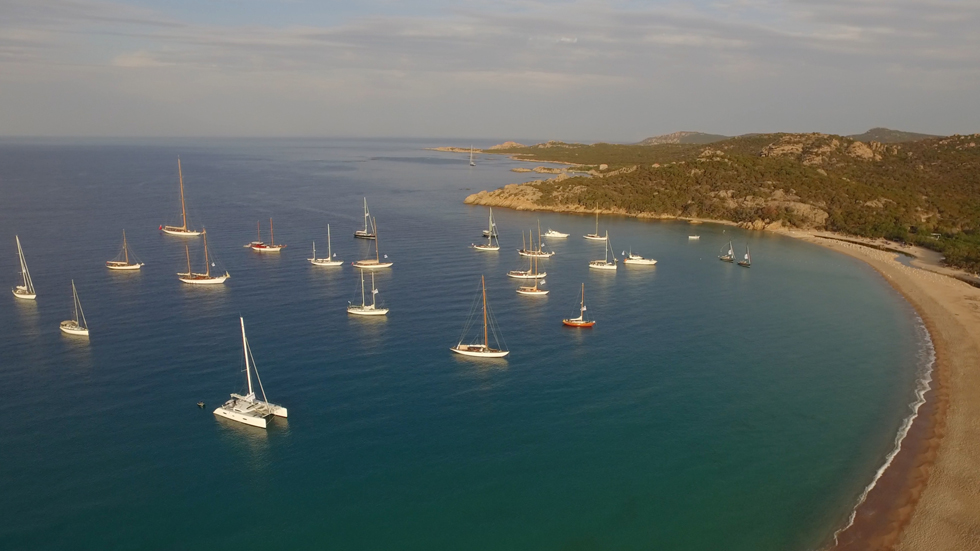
(481, 348)
(181, 230)
(121, 262)
(24, 291)
(248, 409)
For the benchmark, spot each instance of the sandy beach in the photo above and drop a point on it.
(929, 497)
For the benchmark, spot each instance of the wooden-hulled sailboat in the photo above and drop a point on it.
(729, 256)
(637, 260)
(329, 260)
(26, 289)
(481, 349)
(182, 229)
(746, 261)
(595, 236)
(261, 247)
(533, 290)
(248, 409)
(77, 325)
(373, 263)
(529, 273)
(369, 232)
(201, 279)
(605, 264)
(538, 252)
(580, 321)
(491, 234)
(366, 309)
(122, 261)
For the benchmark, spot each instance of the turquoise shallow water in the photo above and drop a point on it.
(712, 407)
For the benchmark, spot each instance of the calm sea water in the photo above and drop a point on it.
(712, 407)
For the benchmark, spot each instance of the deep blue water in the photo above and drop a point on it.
(712, 406)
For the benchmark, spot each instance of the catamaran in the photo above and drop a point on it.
(533, 290)
(555, 234)
(373, 263)
(538, 252)
(637, 260)
(580, 321)
(491, 235)
(605, 264)
(181, 230)
(595, 236)
(481, 349)
(729, 256)
(201, 279)
(366, 309)
(261, 247)
(471, 157)
(369, 231)
(746, 262)
(25, 290)
(121, 262)
(77, 325)
(329, 260)
(248, 409)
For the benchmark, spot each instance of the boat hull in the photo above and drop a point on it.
(535, 254)
(70, 327)
(480, 353)
(371, 264)
(23, 294)
(122, 266)
(202, 280)
(251, 420)
(366, 311)
(576, 323)
(531, 291)
(601, 265)
(593, 237)
(726, 259)
(694, 237)
(170, 230)
(486, 248)
(323, 262)
(266, 248)
(526, 275)
(745, 264)
(361, 234)
(556, 235)
(640, 262)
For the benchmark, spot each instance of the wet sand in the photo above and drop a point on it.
(929, 497)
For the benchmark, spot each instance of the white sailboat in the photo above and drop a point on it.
(533, 290)
(369, 232)
(329, 260)
(481, 349)
(26, 289)
(746, 262)
(181, 230)
(605, 264)
(595, 236)
(471, 157)
(248, 409)
(373, 263)
(580, 321)
(262, 247)
(491, 234)
(121, 262)
(201, 279)
(637, 260)
(77, 325)
(538, 252)
(729, 256)
(366, 309)
(529, 273)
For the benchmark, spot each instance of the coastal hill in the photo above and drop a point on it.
(926, 192)
(684, 137)
(886, 135)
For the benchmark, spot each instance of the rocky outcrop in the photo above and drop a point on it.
(505, 145)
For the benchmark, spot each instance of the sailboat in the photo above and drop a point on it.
(538, 252)
(471, 157)
(26, 290)
(491, 235)
(123, 263)
(182, 229)
(201, 279)
(746, 262)
(580, 321)
(369, 232)
(481, 349)
(529, 273)
(249, 409)
(373, 263)
(366, 309)
(77, 325)
(329, 260)
(533, 290)
(605, 264)
(271, 247)
(637, 260)
(729, 256)
(595, 236)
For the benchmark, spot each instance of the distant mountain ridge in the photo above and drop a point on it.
(887, 135)
(879, 134)
(684, 137)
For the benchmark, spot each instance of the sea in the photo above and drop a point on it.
(711, 407)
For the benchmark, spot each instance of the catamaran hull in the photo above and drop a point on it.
(23, 295)
(481, 354)
(251, 420)
(179, 231)
(123, 267)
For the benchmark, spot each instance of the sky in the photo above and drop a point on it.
(587, 70)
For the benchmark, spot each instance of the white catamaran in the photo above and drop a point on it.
(605, 264)
(595, 236)
(481, 349)
(249, 409)
(330, 260)
(77, 325)
(491, 234)
(181, 230)
(373, 263)
(201, 279)
(369, 232)
(366, 309)
(26, 289)
(121, 262)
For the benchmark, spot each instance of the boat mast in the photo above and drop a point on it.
(597, 218)
(258, 231)
(125, 248)
(272, 235)
(248, 375)
(183, 209)
(486, 341)
(583, 300)
(79, 314)
(540, 248)
(377, 253)
(374, 292)
(188, 253)
(363, 302)
(367, 216)
(28, 284)
(207, 264)
(607, 241)
(329, 256)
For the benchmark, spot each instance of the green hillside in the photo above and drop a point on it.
(886, 135)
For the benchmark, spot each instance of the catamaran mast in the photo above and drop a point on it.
(183, 209)
(248, 374)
